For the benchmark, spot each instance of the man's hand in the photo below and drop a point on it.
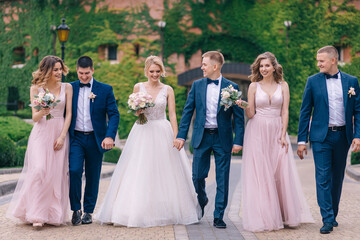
(300, 151)
(178, 143)
(355, 145)
(107, 143)
(236, 149)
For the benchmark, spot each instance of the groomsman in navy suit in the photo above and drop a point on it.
(213, 132)
(95, 119)
(333, 98)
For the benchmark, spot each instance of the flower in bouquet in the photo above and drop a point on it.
(44, 99)
(229, 96)
(140, 101)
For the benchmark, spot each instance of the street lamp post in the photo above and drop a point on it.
(63, 34)
(287, 25)
(162, 25)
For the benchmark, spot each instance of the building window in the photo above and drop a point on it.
(112, 52)
(137, 49)
(341, 53)
(18, 55)
(36, 55)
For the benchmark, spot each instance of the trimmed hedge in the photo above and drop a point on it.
(355, 158)
(113, 155)
(15, 128)
(7, 152)
(20, 156)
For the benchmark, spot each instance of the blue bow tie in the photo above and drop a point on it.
(212, 81)
(335, 76)
(84, 84)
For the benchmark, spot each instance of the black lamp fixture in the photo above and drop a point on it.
(162, 25)
(63, 34)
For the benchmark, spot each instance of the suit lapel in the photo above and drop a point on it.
(95, 90)
(203, 93)
(323, 88)
(223, 85)
(345, 86)
(76, 97)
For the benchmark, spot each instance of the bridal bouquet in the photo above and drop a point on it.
(140, 101)
(229, 96)
(44, 99)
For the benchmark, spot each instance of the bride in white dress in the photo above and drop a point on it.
(151, 184)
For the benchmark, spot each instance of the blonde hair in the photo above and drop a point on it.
(154, 60)
(46, 66)
(215, 56)
(331, 50)
(255, 72)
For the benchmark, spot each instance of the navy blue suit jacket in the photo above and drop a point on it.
(197, 101)
(103, 107)
(315, 100)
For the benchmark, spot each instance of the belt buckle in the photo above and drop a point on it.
(333, 128)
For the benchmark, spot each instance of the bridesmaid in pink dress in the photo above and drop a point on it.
(271, 190)
(41, 195)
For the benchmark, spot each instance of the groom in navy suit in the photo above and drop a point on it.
(213, 132)
(95, 119)
(333, 98)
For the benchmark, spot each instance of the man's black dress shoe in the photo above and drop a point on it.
(326, 228)
(335, 223)
(86, 219)
(203, 207)
(219, 223)
(76, 217)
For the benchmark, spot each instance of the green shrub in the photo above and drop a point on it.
(25, 113)
(20, 155)
(22, 142)
(113, 155)
(14, 128)
(7, 152)
(355, 158)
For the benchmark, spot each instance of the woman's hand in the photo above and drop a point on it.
(138, 112)
(284, 143)
(45, 111)
(59, 143)
(241, 103)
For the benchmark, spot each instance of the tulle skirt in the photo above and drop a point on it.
(271, 190)
(42, 192)
(151, 185)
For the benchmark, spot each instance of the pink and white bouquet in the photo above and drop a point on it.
(140, 101)
(229, 96)
(44, 99)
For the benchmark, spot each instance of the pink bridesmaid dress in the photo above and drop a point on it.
(271, 190)
(42, 192)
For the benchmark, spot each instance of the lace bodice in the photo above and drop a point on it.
(158, 111)
(266, 105)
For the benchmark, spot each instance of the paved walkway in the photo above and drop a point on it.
(348, 215)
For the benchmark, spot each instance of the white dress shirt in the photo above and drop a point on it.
(212, 100)
(83, 118)
(336, 102)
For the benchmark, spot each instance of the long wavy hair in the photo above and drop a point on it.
(255, 72)
(42, 75)
(157, 61)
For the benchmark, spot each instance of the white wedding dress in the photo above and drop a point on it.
(151, 184)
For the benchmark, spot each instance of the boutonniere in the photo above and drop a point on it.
(351, 92)
(92, 96)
